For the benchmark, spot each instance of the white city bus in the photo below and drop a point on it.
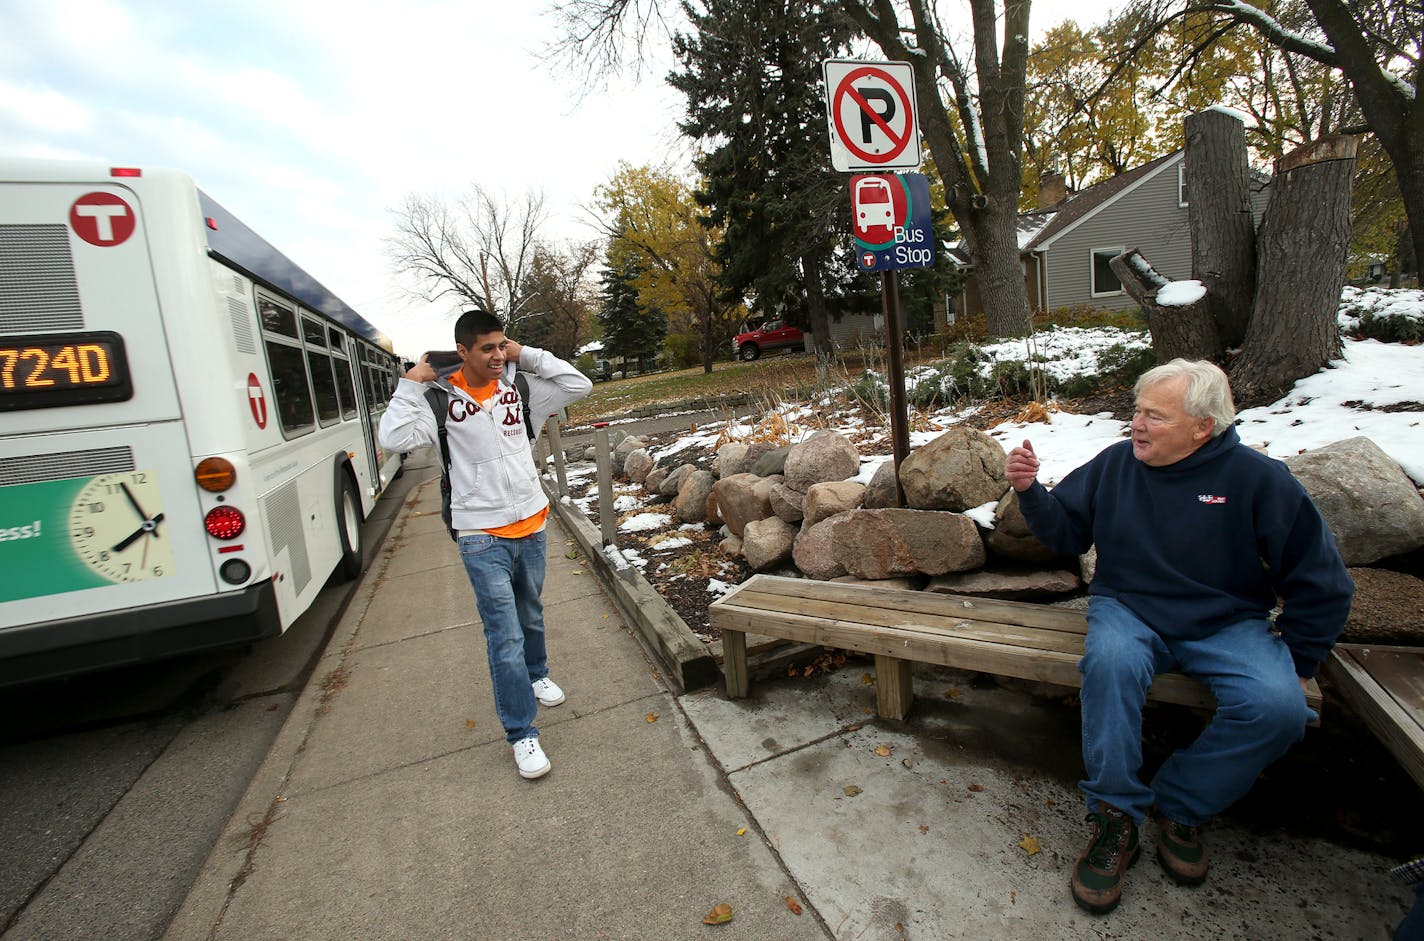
(187, 423)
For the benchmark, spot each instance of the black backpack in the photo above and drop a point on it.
(439, 401)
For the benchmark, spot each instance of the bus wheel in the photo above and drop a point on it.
(348, 525)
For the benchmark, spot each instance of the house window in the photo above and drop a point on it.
(1182, 185)
(1105, 282)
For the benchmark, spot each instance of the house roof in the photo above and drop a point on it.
(1038, 227)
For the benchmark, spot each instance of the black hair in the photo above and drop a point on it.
(473, 324)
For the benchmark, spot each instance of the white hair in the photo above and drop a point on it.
(1207, 394)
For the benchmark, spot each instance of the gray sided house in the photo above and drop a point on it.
(1065, 244)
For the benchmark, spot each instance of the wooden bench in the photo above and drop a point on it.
(1385, 688)
(899, 626)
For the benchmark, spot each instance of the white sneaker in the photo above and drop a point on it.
(548, 692)
(530, 758)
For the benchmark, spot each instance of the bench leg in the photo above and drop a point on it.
(893, 692)
(734, 663)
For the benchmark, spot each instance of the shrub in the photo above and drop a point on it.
(682, 350)
(1390, 328)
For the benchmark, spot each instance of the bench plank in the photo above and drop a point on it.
(1006, 638)
(1385, 686)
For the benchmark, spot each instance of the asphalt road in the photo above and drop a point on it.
(114, 787)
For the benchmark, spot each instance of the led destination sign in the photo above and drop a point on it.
(63, 369)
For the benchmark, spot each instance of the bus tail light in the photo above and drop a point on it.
(224, 522)
(215, 474)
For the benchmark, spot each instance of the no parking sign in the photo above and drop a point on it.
(870, 111)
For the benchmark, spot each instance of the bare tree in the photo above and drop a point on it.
(561, 297)
(479, 251)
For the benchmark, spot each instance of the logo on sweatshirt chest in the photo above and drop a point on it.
(1210, 499)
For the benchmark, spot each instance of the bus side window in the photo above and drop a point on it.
(328, 406)
(289, 367)
(346, 387)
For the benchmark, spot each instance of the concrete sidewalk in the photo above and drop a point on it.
(389, 806)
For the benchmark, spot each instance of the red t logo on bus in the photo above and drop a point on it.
(102, 219)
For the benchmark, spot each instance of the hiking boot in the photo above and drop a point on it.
(1097, 878)
(548, 692)
(529, 758)
(1181, 851)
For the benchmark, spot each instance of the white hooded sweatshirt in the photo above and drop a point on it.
(493, 481)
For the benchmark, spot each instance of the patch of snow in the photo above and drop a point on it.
(1181, 293)
(643, 522)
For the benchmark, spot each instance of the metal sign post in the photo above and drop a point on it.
(895, 365)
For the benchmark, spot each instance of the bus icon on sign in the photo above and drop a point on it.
(874, 206)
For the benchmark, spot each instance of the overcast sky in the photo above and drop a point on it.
(310, 120)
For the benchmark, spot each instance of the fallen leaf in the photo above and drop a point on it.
(951, 693)
(851, 790)
(578, 571)
(721, 914)
(854, 728)
(976, 788)
(469, 723)
(572, 554)
(793, 905)
(1029, 845)
(867, 680)
(883, 750)
(924, 828)
(651, 717)
(907, 762)
(1013, 897)
(741, 831)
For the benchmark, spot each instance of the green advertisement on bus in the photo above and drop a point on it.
(64, 535)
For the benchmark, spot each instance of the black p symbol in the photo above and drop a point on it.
(876, 94)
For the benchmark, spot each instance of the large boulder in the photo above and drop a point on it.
(627, 446)
(813, 550)
(887, 543)
(743, 498)
(638, 465)
(961, 469)
(786, 503)
(672, 483)
(655, 478)
(690, 504)
(820, 458)
(831, 499)
(1370, 504)
(765, 458)
(731, 459)
(1011, 538)
(767, 542)
(880, 493)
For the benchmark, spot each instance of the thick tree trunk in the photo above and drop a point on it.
(1302, 246)
(1188, 331)
(816, 315)
(1223, 232)
(992, 236)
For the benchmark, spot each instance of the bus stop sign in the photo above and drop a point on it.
(892, 221)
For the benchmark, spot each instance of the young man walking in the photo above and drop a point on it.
(497, 507)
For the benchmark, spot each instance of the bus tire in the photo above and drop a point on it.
(348, 525)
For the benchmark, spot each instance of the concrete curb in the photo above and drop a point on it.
(685, 660)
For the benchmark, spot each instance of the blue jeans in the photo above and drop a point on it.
(508, 576)
(1260, 713)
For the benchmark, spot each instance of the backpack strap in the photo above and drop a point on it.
(439, 401)
(521, 382)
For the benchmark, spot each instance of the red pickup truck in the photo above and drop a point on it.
(771, 335)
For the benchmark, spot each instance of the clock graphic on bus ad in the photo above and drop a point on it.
(88, 532)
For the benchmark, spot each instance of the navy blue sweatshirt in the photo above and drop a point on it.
(1214, 539)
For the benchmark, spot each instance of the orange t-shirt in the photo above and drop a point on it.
(525, 527)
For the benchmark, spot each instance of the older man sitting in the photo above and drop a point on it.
(1198, 539)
